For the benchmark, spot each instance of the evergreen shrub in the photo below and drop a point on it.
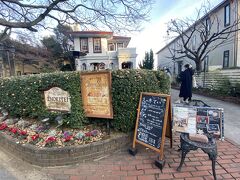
(23, 96)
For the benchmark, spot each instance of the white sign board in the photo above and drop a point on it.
(57, 99)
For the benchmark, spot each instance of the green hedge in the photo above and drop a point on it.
(126, 88)
(23, 96)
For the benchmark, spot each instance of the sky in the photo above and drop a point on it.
(154, 35)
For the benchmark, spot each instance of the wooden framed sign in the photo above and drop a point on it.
(96, 94)
(198, 120)
(152, 120)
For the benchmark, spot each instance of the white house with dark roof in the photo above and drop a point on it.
(102, 50)
(225, 56)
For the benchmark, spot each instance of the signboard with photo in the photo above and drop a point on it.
(200, 120)
(184, 119)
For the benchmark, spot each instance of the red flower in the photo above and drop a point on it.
(68, 138)
(22, 132)
(3, 126)
(50, 139)
(13, 130)
(35, 137)
(88, 134)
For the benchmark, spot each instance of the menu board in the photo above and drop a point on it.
(152, 120)
(199, 120)
(96, 94)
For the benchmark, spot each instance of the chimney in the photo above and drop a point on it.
(76, 27)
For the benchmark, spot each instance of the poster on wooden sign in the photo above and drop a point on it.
(198, 120)
(154, 112)
(96, 94)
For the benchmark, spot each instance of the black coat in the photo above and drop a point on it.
(186, 83)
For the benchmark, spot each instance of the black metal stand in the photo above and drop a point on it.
(209, 148)
(132, 151)
(160, 164)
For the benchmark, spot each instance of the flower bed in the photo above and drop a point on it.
(36, 134)
(68, 146)
(67, 155)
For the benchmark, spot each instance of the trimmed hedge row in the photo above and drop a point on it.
(23, 96)
(126, 88)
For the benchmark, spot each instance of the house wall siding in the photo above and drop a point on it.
(238, 37)
(213, 79)
(215, 56)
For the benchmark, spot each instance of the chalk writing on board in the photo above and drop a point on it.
(152, 109)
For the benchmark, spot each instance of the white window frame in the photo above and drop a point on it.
(97, 45)
(120, 45)
(194, 41)
(226, 55)
(227, 14)
(208, 25)
(111, 47)
(84, 44)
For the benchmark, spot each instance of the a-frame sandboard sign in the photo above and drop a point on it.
(153, 121)
(169, 124)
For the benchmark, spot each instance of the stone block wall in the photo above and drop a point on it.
(54, 156)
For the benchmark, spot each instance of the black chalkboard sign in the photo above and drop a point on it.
(152, 120)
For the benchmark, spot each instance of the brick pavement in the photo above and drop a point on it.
(122, 166)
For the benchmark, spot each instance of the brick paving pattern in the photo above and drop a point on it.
(123, 166)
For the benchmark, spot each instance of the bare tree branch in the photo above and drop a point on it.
(115, 15)
(208, 30)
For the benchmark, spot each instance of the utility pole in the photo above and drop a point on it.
(11, 64)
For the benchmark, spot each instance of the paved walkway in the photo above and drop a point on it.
(5, 174)
(122, 166)
(12, 168)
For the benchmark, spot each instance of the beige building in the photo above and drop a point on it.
(22, 59)
(101, 50)
(225, 56)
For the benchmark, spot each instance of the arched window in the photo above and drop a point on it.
(84, 67)
(101, 66)
(127, 65)
(97, 66)
(111, 66)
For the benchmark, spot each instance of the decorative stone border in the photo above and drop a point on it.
(45, 157)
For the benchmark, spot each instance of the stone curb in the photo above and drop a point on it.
(69, 155)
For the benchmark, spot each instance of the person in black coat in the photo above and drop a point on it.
(186, 83)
